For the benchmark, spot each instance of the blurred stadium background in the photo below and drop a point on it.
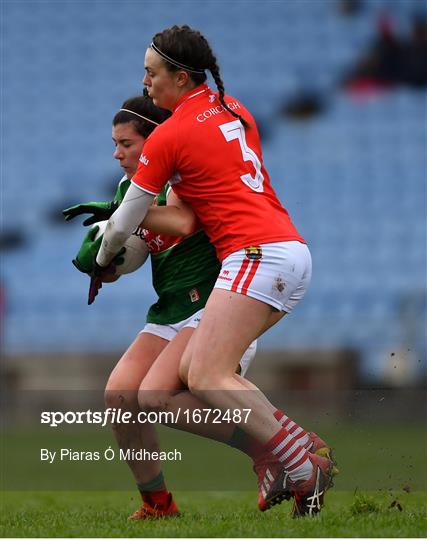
(350, 166)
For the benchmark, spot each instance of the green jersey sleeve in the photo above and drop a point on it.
(122, 187)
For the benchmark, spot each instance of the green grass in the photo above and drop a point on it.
(370, 458)
(210, 514)
(214, 488)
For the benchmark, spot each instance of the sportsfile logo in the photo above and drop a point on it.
(144, 160)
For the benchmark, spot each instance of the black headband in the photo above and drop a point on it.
(175, 62)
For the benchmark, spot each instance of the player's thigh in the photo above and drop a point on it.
(163, 380)
(230, 323)
(255, 288)
(135, 363)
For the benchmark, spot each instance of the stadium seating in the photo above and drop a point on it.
(352, 178)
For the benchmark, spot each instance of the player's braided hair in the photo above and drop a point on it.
(142, 106)
(190, 48)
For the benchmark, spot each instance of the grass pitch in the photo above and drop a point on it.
(211, 514)
(380, 491)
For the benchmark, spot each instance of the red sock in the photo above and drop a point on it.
(291, 454)
(293, 428)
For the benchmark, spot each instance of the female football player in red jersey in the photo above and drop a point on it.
(209, 150)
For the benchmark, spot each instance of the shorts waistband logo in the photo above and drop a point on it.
(254, 253)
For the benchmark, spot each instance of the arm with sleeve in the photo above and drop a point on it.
(123, 222)
(155, 167)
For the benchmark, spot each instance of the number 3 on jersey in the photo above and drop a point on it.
(235, 130)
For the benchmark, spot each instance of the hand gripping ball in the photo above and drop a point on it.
(136, 250)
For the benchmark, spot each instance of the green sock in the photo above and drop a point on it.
(156, 484)
(238, 438)
(245, 443)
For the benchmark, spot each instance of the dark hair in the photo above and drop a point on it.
(144, 106)
(189, 47)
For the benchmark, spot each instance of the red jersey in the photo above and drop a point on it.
(215, 165)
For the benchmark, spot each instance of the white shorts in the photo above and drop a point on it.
(277, 274)
(169, 331)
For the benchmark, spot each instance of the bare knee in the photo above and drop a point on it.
(120, 399)
(153, 400)
(116, 397)
(201, 380)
